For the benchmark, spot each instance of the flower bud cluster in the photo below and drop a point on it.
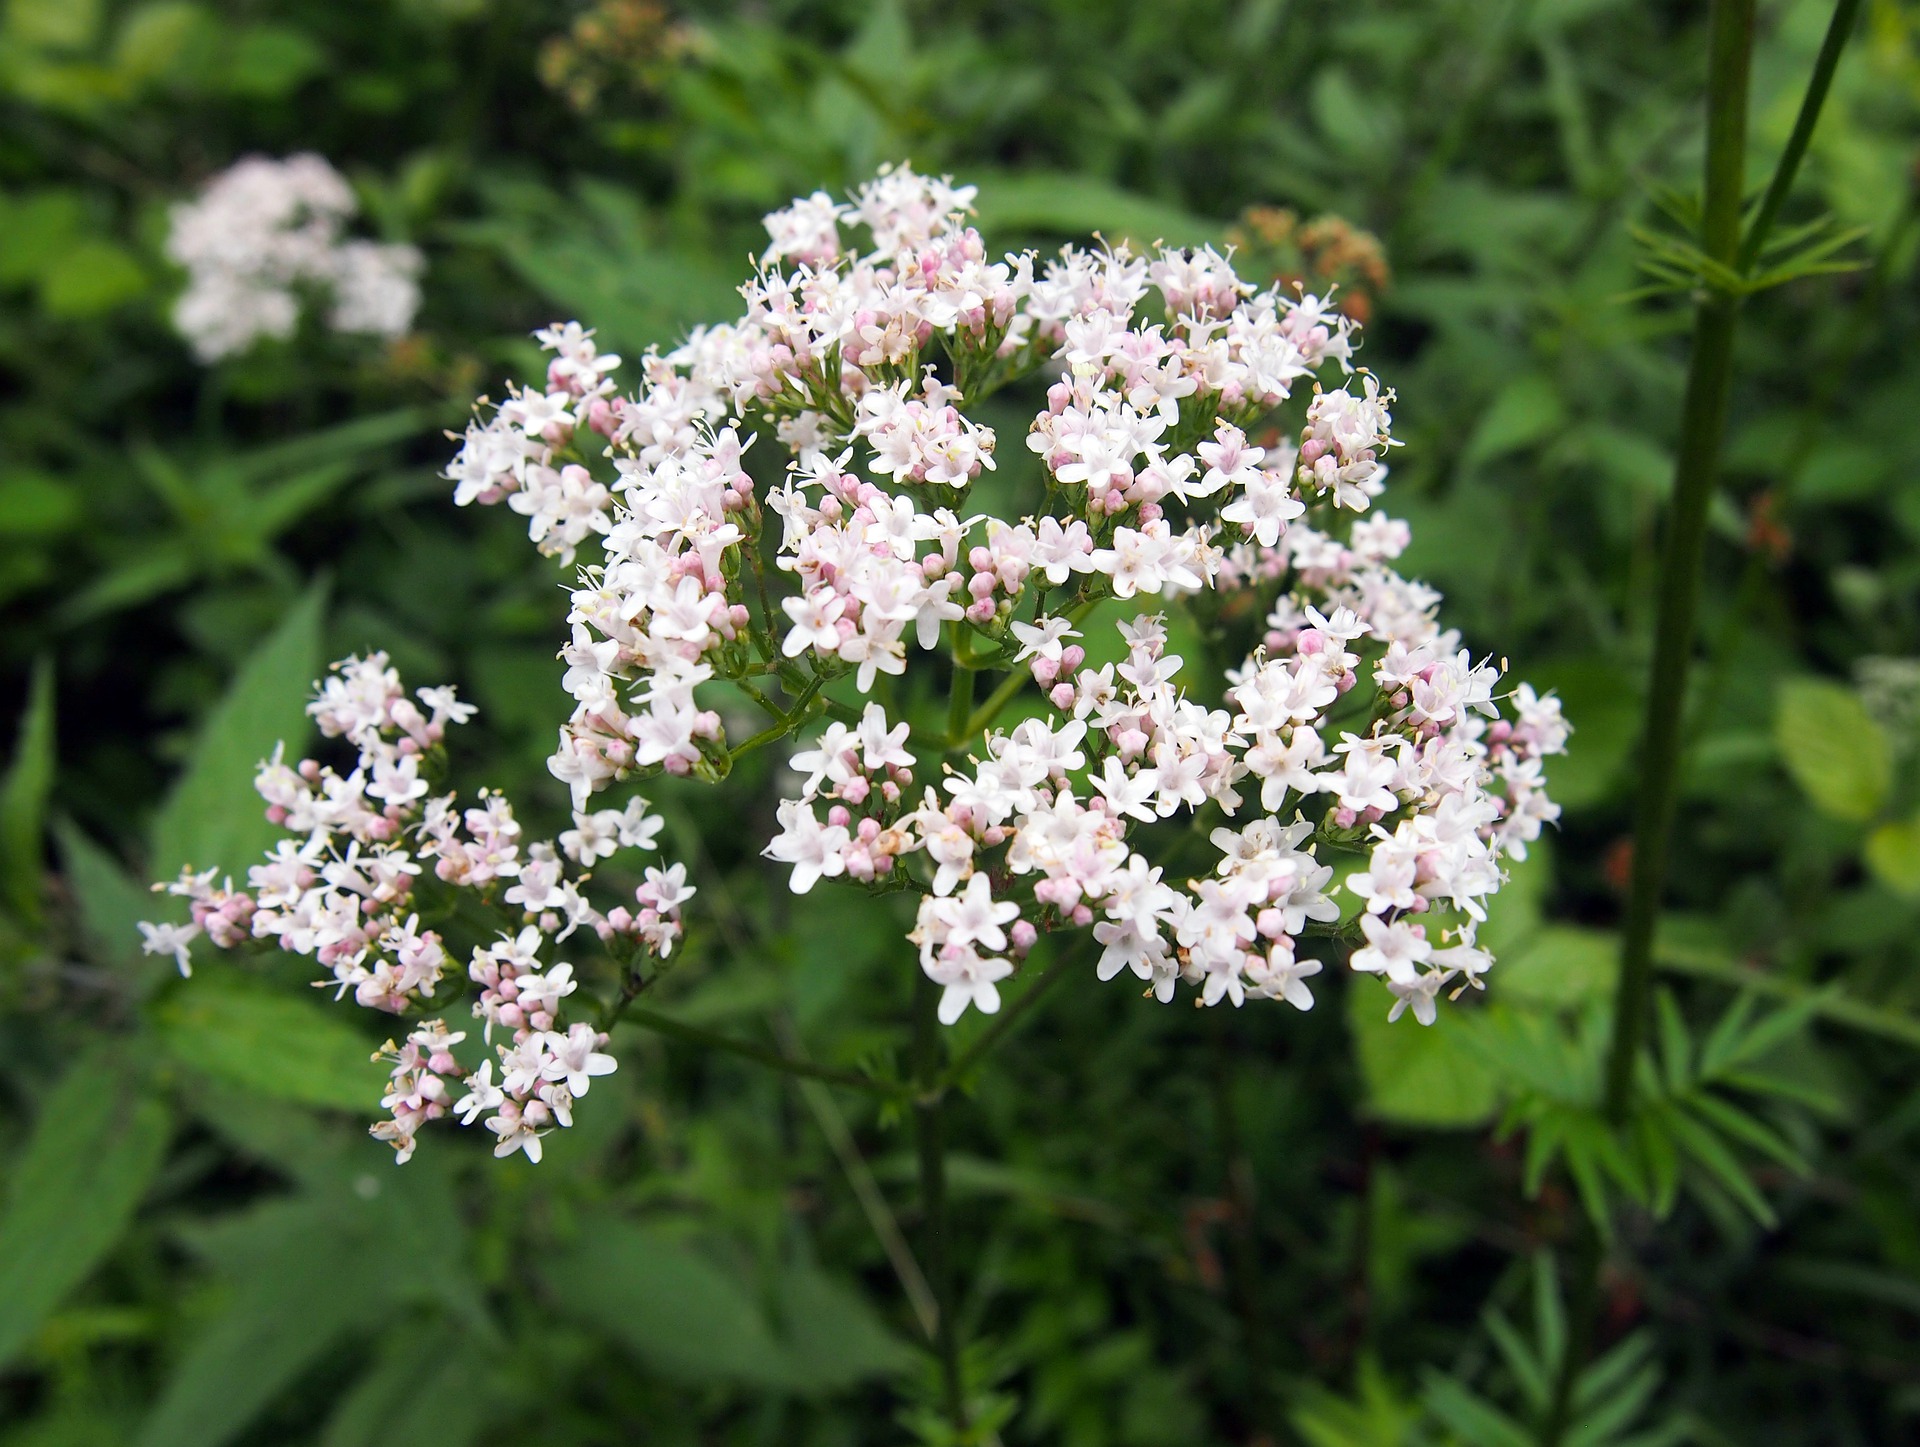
(344, 890)
(1362, 727)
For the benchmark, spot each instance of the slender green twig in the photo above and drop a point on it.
(712, 1040)
(1703, 421)
(1003, 1025)
(1838, 31)
(866, 1190)
(929, 1111)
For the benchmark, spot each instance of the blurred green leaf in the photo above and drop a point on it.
(157, 37)
(1419, 1075)
(92, 276)
(24, 792)
(270, 60)
(1527, 410)
(1560, 966)
(283, 1045)
(300, 1277)
(36, 505)
(53, 24)
(214, 818)
(1840, 757)
(1602, 702)
(683, 1315)
(112, 902)
(1893, 855)
(1061, 204)
(96, 1145)
(431, 1391)
(35, 228)
(834, 1335)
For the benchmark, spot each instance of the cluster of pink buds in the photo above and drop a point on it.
(345, 891)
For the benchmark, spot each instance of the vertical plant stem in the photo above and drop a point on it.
(1703, 421)
(929, 1118)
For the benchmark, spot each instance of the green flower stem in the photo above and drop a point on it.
(1838, 31)
(1003, 1025)
(1703, 421)
(929, 1118)
(960, 700)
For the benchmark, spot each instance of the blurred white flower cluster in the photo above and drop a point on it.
(1358, 726)
(262, 233)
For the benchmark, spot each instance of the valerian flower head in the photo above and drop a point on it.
(1358, 726)
(781, 506)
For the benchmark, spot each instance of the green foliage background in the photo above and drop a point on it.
(1177, 1226)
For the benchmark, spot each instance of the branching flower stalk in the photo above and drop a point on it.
(1193, 435)
(1730, 259)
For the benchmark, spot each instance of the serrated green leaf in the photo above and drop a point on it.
(99, 1139)
(214, 818)
(284, 1045)
(1835, 750)
(23, 798)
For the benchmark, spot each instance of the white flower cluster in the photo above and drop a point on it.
(343, 890)
(1357, 727)
(263, 231)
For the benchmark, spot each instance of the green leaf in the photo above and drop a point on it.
(834, 1335)
(1833, 747)
(301, 1278)
(111, 901)
(1470, 1417)
(98, 1141)
(443, 1403)
(280, 1044)
(270, 60)
(93, 276)
(1421, 1075)
(1527, 410)
(53, 24)
(37, 505)
(1602, 703)
(683, 1315)
(23, 797)
(214, 818)
(1893, 856)
(1062, 204)
(1561, 966)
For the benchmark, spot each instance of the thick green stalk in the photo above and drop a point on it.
(1697, 470)
(929, 1118)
